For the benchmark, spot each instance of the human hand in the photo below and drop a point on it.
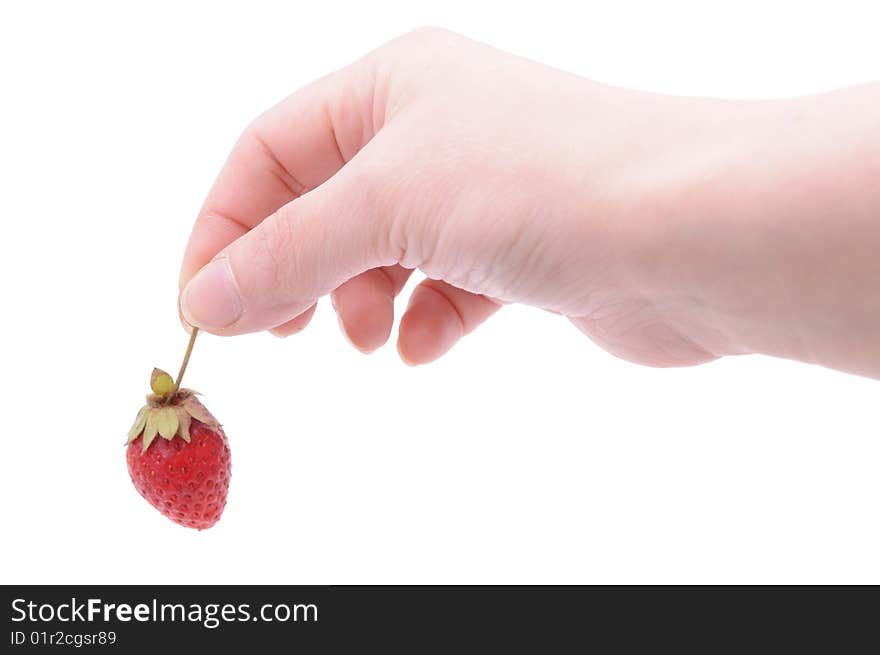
(502, 181)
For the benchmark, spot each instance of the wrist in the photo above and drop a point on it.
(769, 234)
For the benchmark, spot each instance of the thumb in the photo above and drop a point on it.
(303, 251)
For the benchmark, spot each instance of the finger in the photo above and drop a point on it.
(438, 315)
(292, 148)
(365, 305)
(294, 325)
(303, 251)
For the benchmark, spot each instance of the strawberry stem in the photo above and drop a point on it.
(189, 347)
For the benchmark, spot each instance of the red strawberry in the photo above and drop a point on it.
(185, 474)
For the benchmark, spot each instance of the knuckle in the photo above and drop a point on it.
(428, 33)
(420, 42)
(272, 251)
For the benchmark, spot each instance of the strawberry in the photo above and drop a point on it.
(185, 473)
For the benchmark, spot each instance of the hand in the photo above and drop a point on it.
(647, 220)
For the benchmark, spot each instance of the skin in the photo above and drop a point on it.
(670, 230)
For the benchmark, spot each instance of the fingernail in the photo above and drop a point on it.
(347, 336)
(211, 299)
(403, 356)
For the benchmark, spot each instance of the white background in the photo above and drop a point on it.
(526, 455)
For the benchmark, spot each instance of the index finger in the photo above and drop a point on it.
(289, 150)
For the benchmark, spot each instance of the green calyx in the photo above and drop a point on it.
(168, 413)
